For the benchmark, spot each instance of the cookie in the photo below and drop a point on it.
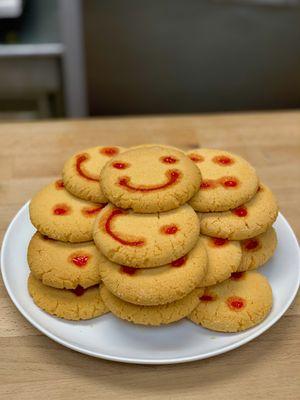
(71, 304)
(150, 179)
(154, 286)
(224, 257)
(81, 172)
(258, 250)
(145, 240)
(63, 265)
(227, 180)
(61, 216)
(151, 315)
(236, 304)
(244, 222)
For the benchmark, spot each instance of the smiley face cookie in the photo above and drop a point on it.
(244, 222)
(72, 304)
(61, 216)
(154, 286)
(63, 265)
(81, 172)
(258, 250)
(227, 180)
(151, 315)
(150, 179)
(224, 257)
(236, 304)
(145, 240)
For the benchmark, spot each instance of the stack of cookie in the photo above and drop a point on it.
(62, 256)
(145, 217)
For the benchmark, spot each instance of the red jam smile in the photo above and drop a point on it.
(61, 209)
(207, 297)
(128, 270)
(173, 177)
(169, 229)
(219, 241)
(240, 211)
(168, 160)
(78, 291)
(120, 165)
(235, 276)
(59, 184)
(109, 151)
(251, 244)
(223, 160)
(179, 262)
(80, 160)
(91, 211)
(108, 229)
(236, 303)
(80, 260)
(196, 157)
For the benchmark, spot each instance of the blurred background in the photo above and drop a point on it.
(72, 58)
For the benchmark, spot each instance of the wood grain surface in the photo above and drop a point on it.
(34, 367)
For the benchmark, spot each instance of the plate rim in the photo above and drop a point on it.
(132, 360)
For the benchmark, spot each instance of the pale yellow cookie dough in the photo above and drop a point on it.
(145, 240)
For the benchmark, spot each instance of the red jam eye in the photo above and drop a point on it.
(78, 291)
(61, 209)
(59, 184)
(240, 211)
(223, 160)
(229, 182)
(80, 260)
(128, 270)
(236, 303)
(208, 184)
(179, 262)
(207, 297)
(235, 276)
(251, 244)
(120, 165)
(109, 151)
(169, 160)
(219, 241)
(169, 229)
(91, 211)
(196, 157)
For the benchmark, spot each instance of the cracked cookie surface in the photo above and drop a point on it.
(67, 304)
(81, 172)
(63, 265)
(58, 214)
(151, 315)
(246, 221)
(239, 303)
(145, 240)
(159, 285)
(150, 179)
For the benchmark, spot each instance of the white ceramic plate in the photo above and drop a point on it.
(113, 339)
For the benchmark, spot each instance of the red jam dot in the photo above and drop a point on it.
(223, 160)
(208, 184)
(109, 151)
(128, 270)
(236, 303)
(240, 211)
(230, 183)
(179, 262)
(59, 184)
(169, 160)
(61, 209)
(219, 241)
(120, 165)
(235, 276)
(80, 261)
(196, 157)
(169, 229)
(78, 291)
(251, 244)
(207, 297)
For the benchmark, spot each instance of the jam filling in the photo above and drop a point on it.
(251, 244)
(128, 270)
(80, 160)
(219, 241)
(223, 160)
(173, 177)
(168, 160)
(236, 303)
(61, 209)
(196, 157)
(109, 151)
(120, 165)
(80, 260)
(90, 211)
(59, 184)
(207, 297)
(235, 276)
(169, 229)
(179, 262)
(240, 211)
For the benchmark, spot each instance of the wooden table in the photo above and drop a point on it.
(33, 367)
